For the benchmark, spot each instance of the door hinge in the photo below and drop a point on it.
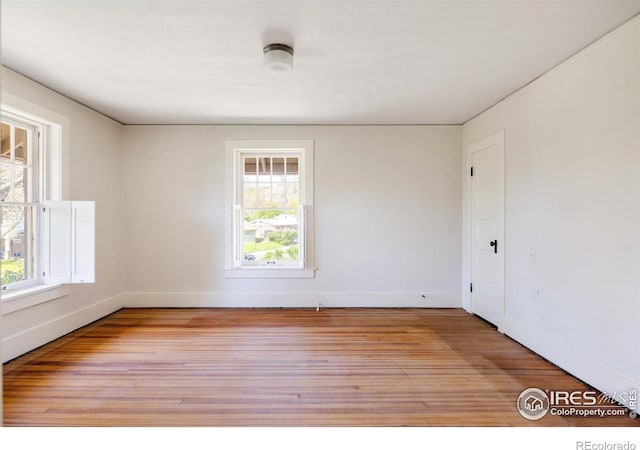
(471, 170)
(470, 287)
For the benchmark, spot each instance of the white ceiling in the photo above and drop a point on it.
(356, 62)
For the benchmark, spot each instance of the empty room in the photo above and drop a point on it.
(320, 214)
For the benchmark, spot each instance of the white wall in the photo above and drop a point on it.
(387, 208)
(573, 197)
(92, 172)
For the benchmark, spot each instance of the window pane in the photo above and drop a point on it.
(278, 166)
(293, 194)
(6, 141)
(249, 198)
(20, 145)
(256, 230)
(21, 178)
(264, 166)
(15, 181)
(279, 194)
(264, 195)
(250, 166)
(292, 165)
(6, 180)
(15, 243)
(270, 236)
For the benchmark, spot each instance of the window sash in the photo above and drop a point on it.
(240, 257)
(264, 174)
(29, 200)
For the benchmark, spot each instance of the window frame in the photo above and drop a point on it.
(52, 186)
(36, 186)
(235, 152)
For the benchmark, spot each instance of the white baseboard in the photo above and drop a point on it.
(576, 363)
(292, 299)
(466, 303)
(32, 338)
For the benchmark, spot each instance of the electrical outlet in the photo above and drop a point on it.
(535, 294)
(533, 256)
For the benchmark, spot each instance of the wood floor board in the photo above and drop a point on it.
(282, 367)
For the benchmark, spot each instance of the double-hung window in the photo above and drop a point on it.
(44, 241)
(19, 197)
(270, 201)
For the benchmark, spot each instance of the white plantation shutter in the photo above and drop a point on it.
(57, 242)
(82, 242)
(69, 250)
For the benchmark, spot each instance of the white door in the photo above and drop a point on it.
(487, 229)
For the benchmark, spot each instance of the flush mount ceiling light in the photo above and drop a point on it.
(278, 58)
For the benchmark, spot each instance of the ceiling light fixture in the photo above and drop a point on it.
(278, 58)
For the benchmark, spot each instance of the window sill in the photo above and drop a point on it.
(13, 301)
(264, 272)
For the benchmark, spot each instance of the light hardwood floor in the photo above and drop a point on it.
(279, 367)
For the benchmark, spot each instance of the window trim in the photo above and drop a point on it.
(234, 152)
(52, 186)
(16, 300)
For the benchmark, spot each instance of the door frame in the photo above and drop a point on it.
(469, 150)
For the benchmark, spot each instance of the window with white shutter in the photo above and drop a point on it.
(44, 241)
